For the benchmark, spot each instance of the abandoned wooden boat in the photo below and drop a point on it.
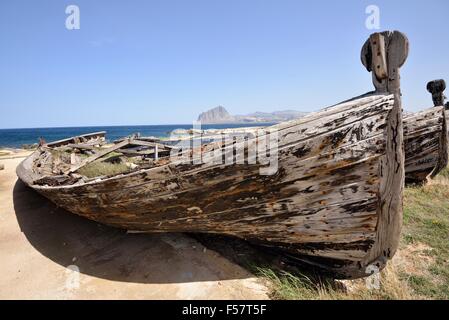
(334, 201)
(426, 138)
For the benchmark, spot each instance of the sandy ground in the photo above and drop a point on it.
(48, 253)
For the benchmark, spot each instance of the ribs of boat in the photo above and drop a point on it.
(426, 138)
(334, 202)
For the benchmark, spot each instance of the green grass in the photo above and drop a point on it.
(426, 220)
(288, 286)
(96, 169)
(297, 286)
(420, 269)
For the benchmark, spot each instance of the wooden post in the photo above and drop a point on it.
(379, 63)
(383, 54)
(436, 88)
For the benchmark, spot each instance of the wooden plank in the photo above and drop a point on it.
(56, 180)
(141, 138)
(377, 41)
(136, 142)
(81, 146)
(138, 153)
(72, 139)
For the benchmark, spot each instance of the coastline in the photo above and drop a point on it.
(17, 138)
(13, 153)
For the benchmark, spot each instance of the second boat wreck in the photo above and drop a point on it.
(426, 139)
(333, 202)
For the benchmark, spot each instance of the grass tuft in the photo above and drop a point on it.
(96, 169)
(287, 286)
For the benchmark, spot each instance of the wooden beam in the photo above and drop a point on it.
(135, 152)
(147, 139)
(149, 144)
(377, 41)
(81, 146)
(58, 143)
(55, 180)
(98, 155)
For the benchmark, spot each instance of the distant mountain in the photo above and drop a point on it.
(216, 115)
(221, 115)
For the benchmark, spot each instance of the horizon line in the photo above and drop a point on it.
(134, 125)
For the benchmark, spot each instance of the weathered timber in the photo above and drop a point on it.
(87, 144)
(140, 138)
(81, 146)
(147, 152)
(133, 152)
(391, 168)
(56, 180)
(334, 202)
(148, 144)
(97, 136)
(426, 138)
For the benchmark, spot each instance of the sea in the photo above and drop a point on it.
(18, 138)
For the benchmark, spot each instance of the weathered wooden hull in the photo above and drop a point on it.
(327, 205)
(426, 144)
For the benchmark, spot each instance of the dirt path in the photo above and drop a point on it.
(42, 248)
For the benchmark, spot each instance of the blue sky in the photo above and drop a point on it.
(163, 62)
